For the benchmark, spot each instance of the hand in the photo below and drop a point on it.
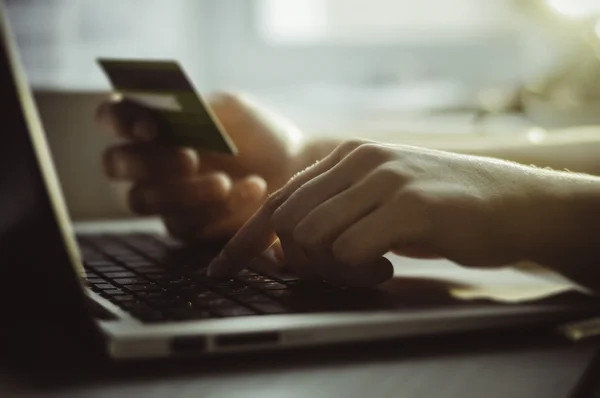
(337, 219)
(201, 195)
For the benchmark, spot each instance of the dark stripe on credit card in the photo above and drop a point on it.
(138, 76)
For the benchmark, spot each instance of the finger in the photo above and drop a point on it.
(415, 252)
(327, 220)
(297, 260)
(258, 234)
(371, 237)
(336, 273)
(149, 162)
(246, 197)
(368, 275)
(219, 220)
(166, 197)
(327, 266)
(128, 120)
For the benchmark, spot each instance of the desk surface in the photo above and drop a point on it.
(488, 368)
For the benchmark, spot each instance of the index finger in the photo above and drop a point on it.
(127, 119)
(257, 235)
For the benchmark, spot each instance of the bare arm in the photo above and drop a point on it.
(575, 149)
(565, 239)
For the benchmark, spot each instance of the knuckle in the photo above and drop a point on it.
(415, 195)
(389, 176)
(282, 226)
(371, 152)
(349, 146)
(303, 236)
(273, 203)
(226, 100)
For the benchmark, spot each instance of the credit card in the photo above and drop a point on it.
(162, 85)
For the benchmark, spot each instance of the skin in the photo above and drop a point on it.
(201, 196)
(333, 209)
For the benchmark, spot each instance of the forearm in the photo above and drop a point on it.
(565, 234)
(576, 149)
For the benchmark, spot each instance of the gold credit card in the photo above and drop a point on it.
(186, 120)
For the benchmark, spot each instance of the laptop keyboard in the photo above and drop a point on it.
(156, 280)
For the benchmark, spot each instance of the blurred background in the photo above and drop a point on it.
(334, 66)
(322, 60)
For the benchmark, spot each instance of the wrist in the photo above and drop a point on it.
(567, 227)
(312, 150)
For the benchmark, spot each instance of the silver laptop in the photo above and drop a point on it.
(133, 295)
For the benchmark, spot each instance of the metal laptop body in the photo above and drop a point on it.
(43, 274)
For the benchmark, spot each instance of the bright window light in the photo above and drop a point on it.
(575, 8)
(292, 20)
(377, 21)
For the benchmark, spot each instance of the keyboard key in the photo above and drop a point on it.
(115, 250)
(268, 286)
(131, 281)
(218, 302)
(278, 294)
(104, 286)
(177, 281)
(148, 269)
(254, 278)
(125, 274)
(224, 283)
(303, 284)
(147, 295)
(113, 292)
(124, 298)
(140, 262)
(205, 298)
(103, 269)
(130, 255)
(156, 276)
(233, 311)
(95, 280)
(144, 288)
(234, 290)
(100, 263)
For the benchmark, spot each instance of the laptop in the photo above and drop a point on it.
(138, 294)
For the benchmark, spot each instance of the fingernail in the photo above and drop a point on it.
(144, 130)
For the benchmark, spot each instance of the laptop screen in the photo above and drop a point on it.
(39, 259)
(39, 145)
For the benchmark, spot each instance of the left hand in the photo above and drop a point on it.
(337, 219)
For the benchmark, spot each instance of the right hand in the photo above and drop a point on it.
(201, 196)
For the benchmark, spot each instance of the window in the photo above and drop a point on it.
(272, 44)
(59, 40)
(377, 22)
